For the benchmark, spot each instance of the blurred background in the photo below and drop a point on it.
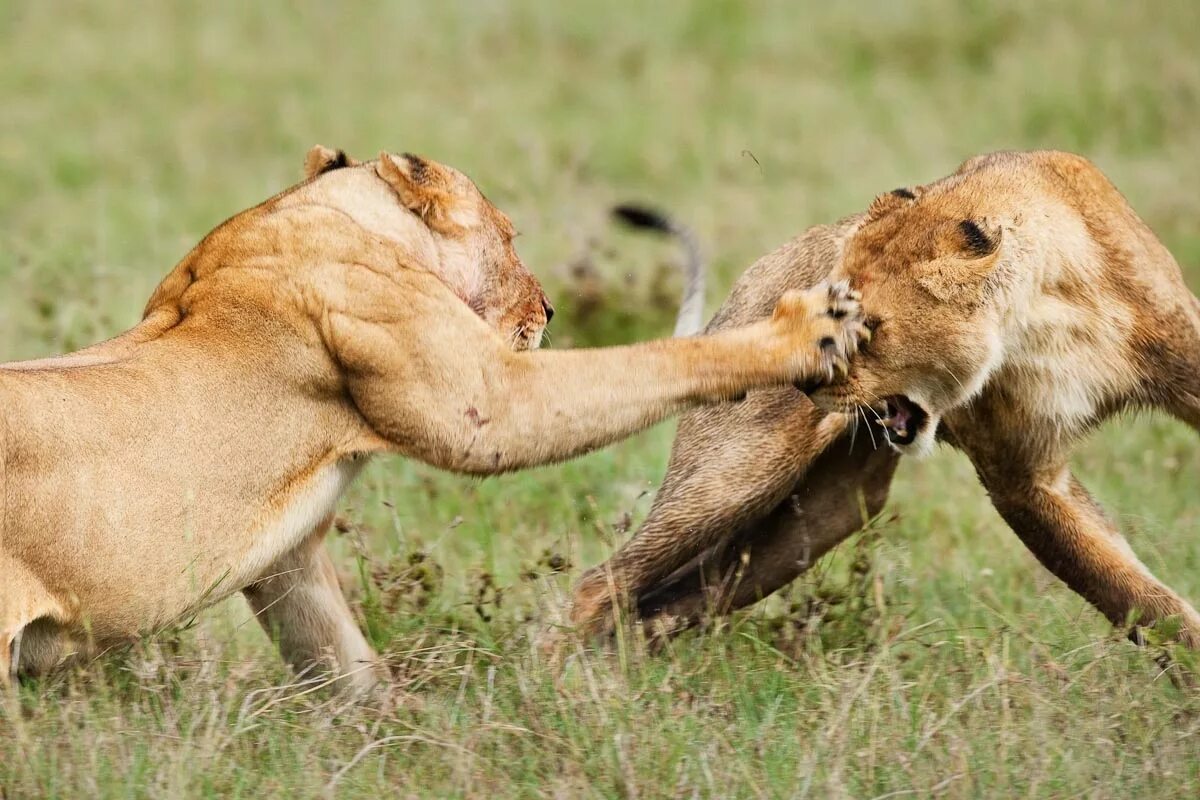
(129, 130)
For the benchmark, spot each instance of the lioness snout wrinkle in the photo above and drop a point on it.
(377, 307)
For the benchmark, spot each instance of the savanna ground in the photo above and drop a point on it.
(930, 657)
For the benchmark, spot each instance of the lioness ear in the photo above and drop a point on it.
(961, 277)
(888, 202)
(422, 186)
(979, 238)
(322, 159)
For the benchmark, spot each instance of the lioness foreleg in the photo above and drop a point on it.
(844, 488)
(730, 466)
(453, 395)
(300, 604)
(1070, 535)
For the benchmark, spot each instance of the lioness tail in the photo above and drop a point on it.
(691, 307)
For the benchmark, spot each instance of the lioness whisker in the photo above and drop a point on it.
(870, 433)
(875, 398)
(950, 372)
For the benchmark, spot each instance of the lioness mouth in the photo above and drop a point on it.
(901, 419)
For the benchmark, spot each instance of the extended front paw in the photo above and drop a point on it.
(826, 327)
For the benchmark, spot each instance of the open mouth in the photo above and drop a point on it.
(901, 419)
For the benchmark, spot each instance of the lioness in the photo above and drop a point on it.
(1016, 304)
(375, 307)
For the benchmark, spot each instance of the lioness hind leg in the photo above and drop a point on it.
(8, 641)
(23, 599)
(46, 645)
(730, 466)
(300, 604)
(1070, 535)
(843, 489)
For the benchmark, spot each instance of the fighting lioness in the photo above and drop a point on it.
(375, 307)
(1015, 305)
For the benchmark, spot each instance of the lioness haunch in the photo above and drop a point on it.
(375, 307)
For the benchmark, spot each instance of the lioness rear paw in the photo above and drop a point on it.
(592, 608)
(836, 330)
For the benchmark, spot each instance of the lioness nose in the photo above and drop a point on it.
(549, 309)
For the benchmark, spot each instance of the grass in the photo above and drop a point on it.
(932, 657)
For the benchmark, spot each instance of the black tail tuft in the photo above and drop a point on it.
(691, 308)
(643, 217)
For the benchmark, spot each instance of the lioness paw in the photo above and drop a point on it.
(592, 607)
(826, 326)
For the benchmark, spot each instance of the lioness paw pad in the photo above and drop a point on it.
(843, 302)
(836, 330)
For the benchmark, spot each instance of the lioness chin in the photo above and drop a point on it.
(375, 307)
(1015, 304)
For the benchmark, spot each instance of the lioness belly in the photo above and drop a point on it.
(142, 574)
(310, 505)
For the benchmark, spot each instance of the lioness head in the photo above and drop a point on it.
(936, 284)
(453, 227)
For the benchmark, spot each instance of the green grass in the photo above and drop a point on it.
(931, 658)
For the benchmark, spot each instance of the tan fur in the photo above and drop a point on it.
(376, 307)
(1057, 309)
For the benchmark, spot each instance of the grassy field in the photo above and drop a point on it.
(931, 657)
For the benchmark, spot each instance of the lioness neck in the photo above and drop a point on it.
(1098, 318)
